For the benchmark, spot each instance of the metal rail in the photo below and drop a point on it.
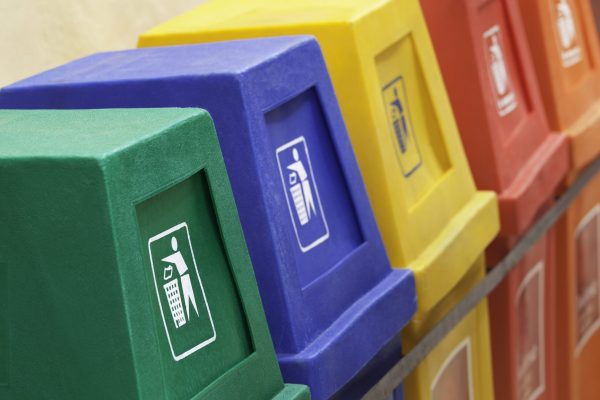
(398, 373)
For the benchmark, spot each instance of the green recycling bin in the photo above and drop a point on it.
(124, 273)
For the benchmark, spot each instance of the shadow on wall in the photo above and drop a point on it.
(36, 35)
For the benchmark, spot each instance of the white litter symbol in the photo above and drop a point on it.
(172, 287)
(565, 24)
(300, 190)
(302, 195)
(180, 293)
(570, 52)
(506, 100)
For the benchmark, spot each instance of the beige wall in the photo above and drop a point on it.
(39, 34)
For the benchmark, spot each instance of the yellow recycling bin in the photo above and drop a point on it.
(392, 96)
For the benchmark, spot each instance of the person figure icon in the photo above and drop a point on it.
(498, 67)
(186, 284)
(399, 122)
(300, 189)
(565, 23)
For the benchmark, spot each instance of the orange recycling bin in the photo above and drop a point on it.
(564, 44)
(511, 150)
(578, 297)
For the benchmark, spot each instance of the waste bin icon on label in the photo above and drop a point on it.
(184, 309)
(570, 52)
(506, 100)
(302, 194)
(400, 124)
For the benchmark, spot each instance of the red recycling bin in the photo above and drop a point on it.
(483, 53)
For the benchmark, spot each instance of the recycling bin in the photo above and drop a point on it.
(511, 150)
(125, 273)
(566, 57)
(432, 219)
(330, 296)
(578, 297)
(564, 45)
(498, 108)
(523, 310)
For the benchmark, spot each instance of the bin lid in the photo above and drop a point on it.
(316, 250)
(399, 119)
(128, 273)
(487, 68)
(564, 45)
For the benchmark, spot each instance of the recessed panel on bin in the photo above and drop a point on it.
(321, 213)
(411, 120)
(316, 251)
(503, 66)
(399, 120)
(566, 54)
(569, 40)
(143, 286)
(184, 261)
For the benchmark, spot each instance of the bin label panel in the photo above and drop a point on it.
(401, 126)
(587, 242)
(307, 191)
(409, 116)
(529, 303)
(302, 195)
(196, 348)
(184, 308)
(500, 79)
(501, 68)
(454, 380)
(567, 35)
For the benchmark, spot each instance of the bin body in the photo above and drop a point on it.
(459, 367)
(399, 119)
(511, 150)
(135, 282)
(578, 350)
(319, 259)
(564, 46)
(523, 317)
(498, 107)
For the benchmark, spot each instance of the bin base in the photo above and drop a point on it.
(447, 260)
(537, 182)
(372, 372)
(362, 331)
(523, 324)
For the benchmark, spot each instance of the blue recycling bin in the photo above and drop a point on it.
(332, 301)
